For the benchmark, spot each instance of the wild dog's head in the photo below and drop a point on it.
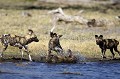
(55, 35)
(5, 38)
(31, 36)
(99, 39)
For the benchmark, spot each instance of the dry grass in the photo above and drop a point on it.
(78, 38)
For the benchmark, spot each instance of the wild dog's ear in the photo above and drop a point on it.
(101, 36)
(96, 36)
(60, 36)
(51, 34)
(30, 31)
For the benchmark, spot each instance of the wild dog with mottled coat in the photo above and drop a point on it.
(54, 43)
(105, 44)
(19, 42)
(91, 23)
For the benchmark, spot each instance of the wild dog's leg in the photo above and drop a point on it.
(49, 55)
(5, 47)
(116, 49)
(21, 53)
(49, 52)
(28, 52)
(29, 57)
(112, 53)
(103, 53)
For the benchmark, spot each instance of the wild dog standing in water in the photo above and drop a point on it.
(54, 43)
(107, 44)
(18, 41)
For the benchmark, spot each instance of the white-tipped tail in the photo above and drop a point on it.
(117, 17)
(52, 29)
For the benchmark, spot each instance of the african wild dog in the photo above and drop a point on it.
(91, 23)
(54, 43)
(107, 44)
(18, 41)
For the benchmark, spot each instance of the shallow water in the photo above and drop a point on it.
(34, 70)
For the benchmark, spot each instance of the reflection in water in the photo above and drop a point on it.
(34, 70)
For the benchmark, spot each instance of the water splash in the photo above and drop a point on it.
(80, 57)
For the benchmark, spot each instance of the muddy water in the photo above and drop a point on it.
(34, 70)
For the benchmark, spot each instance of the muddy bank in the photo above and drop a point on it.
(102, 60)
(43, 59)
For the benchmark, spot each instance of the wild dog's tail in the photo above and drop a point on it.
(52, 28)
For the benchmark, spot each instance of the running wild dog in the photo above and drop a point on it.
(19, 42)
(107, 44)
(54, 43)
